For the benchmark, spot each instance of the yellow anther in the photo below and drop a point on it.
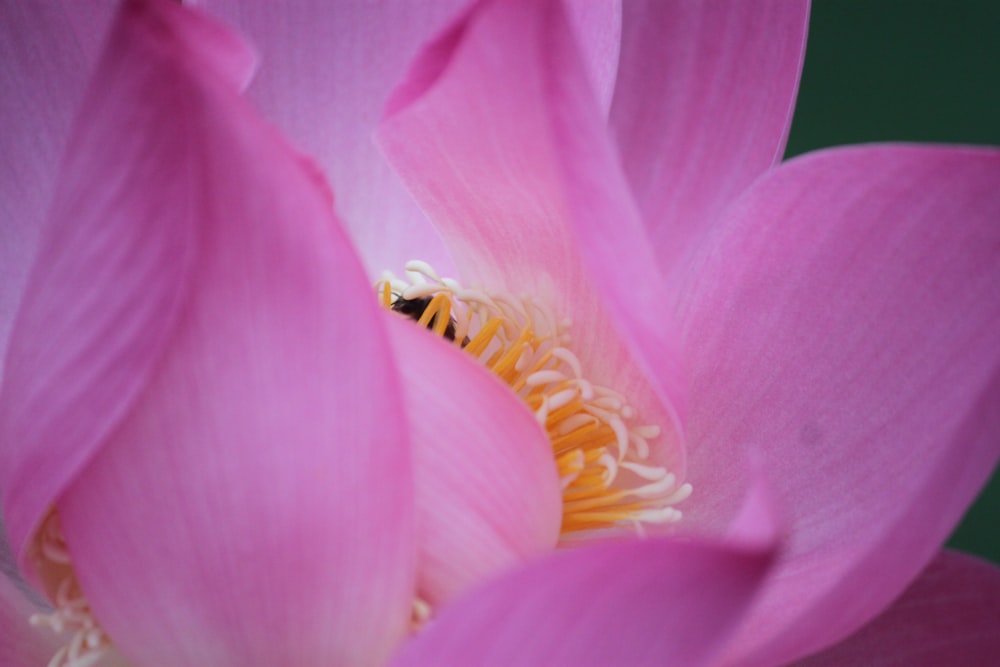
(599, 450)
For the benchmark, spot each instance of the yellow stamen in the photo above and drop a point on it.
(598, 447)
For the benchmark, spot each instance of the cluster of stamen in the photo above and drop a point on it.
(600, 448)
(72, 614)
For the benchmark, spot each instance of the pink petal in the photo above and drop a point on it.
(483, 133)
(597, 25)
(842, 321)
(488, 494)
(949, 616)
(326, 71)
(20, 643)
(249, 503)
(104, 292)
(702, 107)
(642, 602)
(46, 52)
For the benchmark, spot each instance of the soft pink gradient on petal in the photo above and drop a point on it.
(597, 25)
(703, 105)
(949, 616)
(47, 50)
(104, 292)
(253, 506)
(637, 602)
(328, 70)
(843, 320)
(488, 493)
(21, 645)
(481, 133)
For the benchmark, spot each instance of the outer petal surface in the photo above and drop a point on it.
(949, 616)
(702, 106)
(104, 291)
(252, 506)
(46, 52)
(643, 602)
(843, 318)
(326, 73)
(501, 140)
(488, 493)
(20, 644)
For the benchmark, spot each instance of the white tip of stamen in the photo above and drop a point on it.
(604, 391)
(540, 378)
(655, 489)
(608, 403)
(570, 358)
(586, 389)
(652, 473)
(641, 446)
(682, 492)
(658, 515)
(422, 268)
(561, 398)
(523, 360)
(648, 432)
(611, 465)
(621, 435)
(421, 290)
(542, 413)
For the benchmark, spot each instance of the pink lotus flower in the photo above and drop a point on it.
(210, 426)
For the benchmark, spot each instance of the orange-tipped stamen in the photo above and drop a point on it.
(599, 449)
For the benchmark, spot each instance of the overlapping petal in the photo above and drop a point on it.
(105, 291)
(46, 53)
(642, 602)
(242, 468)
(481, 133)
(702, 106)
(326, 87)
(20, 644)
(487, 488)
(843, 321)
(949, 616)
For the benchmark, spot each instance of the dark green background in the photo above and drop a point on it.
(906, 71)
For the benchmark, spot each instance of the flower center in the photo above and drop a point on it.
(599, 445)
(87, 642)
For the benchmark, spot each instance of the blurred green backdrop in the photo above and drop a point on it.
(906, 70)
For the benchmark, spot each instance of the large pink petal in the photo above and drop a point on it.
(644, 602)
(949, 616)
(326, 71)
(252, 505)
(104, 292)
(488, 493)
(46, 52)
(483, 132)
(843, 321)
(702, 106)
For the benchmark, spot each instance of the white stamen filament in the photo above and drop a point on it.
(591, 427)
(71, 613)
